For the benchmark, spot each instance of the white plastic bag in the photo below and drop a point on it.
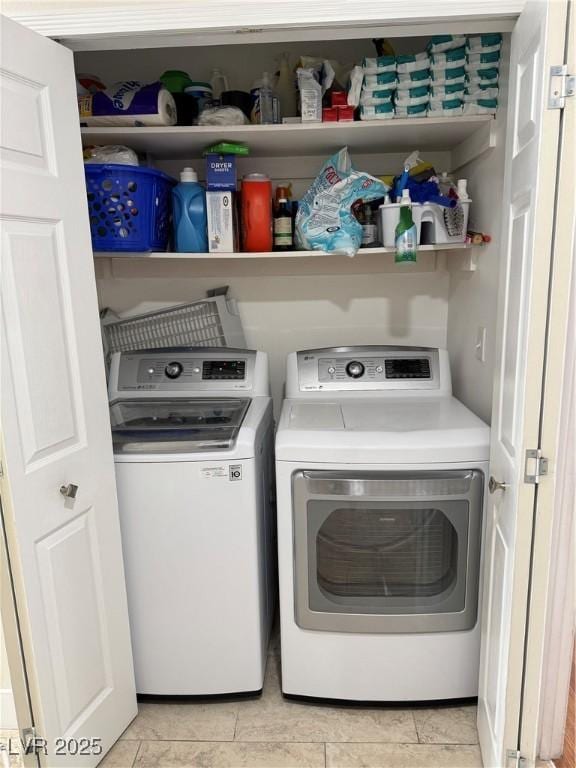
(222, 116)
(112, 153)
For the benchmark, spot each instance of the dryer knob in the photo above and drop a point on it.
(355, 369)
(173, 370)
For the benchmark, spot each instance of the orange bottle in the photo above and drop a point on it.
(256, 212)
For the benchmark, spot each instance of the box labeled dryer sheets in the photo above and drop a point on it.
(222, 222)
(221, 173)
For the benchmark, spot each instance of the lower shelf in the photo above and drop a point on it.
(453, 257)
(460, 247)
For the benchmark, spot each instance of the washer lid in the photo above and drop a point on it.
(176, 425)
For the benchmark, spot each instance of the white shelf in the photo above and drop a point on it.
(454, 257)
(306, 139)
(215, 257)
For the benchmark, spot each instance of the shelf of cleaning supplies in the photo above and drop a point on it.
(464, 135)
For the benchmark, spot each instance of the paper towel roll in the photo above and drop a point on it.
(122, 106)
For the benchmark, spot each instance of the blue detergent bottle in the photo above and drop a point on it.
(190, 223)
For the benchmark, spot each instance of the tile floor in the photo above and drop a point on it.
(271, 732)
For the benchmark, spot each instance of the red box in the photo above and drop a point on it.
(330, 114)
(345, 114)
(338, 99)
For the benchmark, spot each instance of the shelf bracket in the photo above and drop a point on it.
(464, 262)
(475, 145)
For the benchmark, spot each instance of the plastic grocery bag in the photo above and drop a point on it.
(325, 221)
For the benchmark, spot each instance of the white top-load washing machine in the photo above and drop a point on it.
(381, 476)
(193, 448)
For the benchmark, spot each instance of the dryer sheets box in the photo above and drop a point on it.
(222, 222)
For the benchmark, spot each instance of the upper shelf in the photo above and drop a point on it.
(453, 134)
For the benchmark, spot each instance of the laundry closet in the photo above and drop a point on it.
(486, 304)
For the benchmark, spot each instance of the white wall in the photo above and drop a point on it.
(281, 314)
(473, 296)
(241, 64)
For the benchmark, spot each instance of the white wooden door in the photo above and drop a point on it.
(65, 552)
(528, 202)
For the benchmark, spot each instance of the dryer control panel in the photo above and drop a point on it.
(377, 369)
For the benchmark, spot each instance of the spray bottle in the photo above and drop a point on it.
(406, 233)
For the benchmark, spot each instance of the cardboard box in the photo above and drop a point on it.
(329, 114)
(338, 99)
(221, 172)
(222, 222)
(345, 114)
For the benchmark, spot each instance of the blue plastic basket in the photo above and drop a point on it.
(130, 207)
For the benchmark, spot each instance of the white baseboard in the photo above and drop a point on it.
(7, 710)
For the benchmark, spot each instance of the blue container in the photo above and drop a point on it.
(130, 207)
(190, 222)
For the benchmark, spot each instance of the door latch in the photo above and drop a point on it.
(495, 485)
(69, 491)
(562, 86)
(535, 466)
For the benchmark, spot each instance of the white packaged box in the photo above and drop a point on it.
(222, 229)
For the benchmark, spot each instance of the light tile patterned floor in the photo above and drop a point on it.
(272, 732)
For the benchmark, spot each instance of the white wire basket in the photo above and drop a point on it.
(211, 322)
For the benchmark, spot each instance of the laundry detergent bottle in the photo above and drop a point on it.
(406, 234)
(190, 223)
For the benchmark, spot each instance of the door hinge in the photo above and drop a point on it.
(32, 744)
(535, 466)
(1, 470)
(515, 756)
(562, 85)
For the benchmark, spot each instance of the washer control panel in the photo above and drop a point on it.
(368, 368)
(174, 370)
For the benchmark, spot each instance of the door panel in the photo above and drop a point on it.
(83, 675)
(528, 202)
(35, 276)
(27, 138)
(65, 550)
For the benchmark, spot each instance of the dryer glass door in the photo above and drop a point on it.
(387, 552)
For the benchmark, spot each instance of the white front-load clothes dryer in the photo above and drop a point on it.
(381, 478)
(193, 446)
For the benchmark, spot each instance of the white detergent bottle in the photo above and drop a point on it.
(462, 190)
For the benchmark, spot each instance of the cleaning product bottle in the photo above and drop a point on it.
(445, 184)
(369, 229)
(190, 223)
(219, 83)
(286, 88)
(283, 225)
(462, 190)
(406, 233)
(266, 96)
